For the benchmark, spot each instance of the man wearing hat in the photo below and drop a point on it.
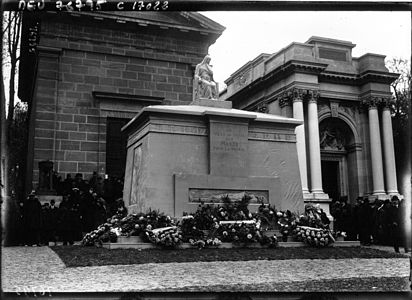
(395, 224)
(32, 213)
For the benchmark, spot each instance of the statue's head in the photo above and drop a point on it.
(207, 59)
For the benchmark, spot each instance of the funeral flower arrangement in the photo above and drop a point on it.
(102, 234)
(313, 228)
(316, 237)
(240, 232)
(134, 224)
(168, 237)
(244, 232)
(339, 234)
(211, 225)
(287, 223)
(268, 217)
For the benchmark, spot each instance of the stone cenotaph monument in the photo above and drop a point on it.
(178, 156)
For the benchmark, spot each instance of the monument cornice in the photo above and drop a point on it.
(358, 79)
(375, 76)
(276, 75)
(335, 77)
(107, 96)
(205, 26)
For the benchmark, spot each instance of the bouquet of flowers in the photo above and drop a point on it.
(314, 236)
(168, 237)
(234, 210)
(314, 217)
(287, 223)
(136, 224)
(109, 236)
(240, 232)
(270, 241)
(189, 230)
(98, 236)
(267, 216)
(339, 234)
(205, 216)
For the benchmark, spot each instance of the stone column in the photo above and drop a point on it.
(376, 148)
(314, 147)
(388, 151)
(300, 139)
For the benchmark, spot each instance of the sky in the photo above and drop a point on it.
(249, 34)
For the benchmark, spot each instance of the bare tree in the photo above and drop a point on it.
(3, 124)
(12, 39)
(10, 34)
(401, 87)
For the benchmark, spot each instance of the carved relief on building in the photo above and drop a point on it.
(331, 138)
(243, 79)
(285, 99)
(349, 110)
(263, 108)
(323, 108)
(334, 109)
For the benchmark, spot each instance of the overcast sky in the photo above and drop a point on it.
(248, 34)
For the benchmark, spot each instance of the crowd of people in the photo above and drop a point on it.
(380, 222)
(85, 205)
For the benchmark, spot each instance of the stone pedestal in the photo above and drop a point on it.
(180, 155)
(212, 103)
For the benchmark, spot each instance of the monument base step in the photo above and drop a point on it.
(222, 245)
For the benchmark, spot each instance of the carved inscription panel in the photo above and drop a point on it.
(228, 148)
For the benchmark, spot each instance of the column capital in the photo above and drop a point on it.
(375, 102)
(387, 102)
(298, 94)
(370, 102)
(312, 96)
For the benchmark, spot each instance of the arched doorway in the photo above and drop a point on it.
(338, 159)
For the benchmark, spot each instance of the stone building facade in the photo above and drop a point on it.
(84, 75)
(345, 146)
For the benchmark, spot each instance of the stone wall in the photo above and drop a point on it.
(78, 57)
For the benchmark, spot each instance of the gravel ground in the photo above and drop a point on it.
(40, 269)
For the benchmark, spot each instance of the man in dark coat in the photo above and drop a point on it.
(64, 221)
(21, 225)
(394, 223)
(74, 223)
(45, 226)
(364, 221)
(54, 219)
(87, 207)
(32, 214)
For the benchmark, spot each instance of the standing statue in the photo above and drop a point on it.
(204, 87)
